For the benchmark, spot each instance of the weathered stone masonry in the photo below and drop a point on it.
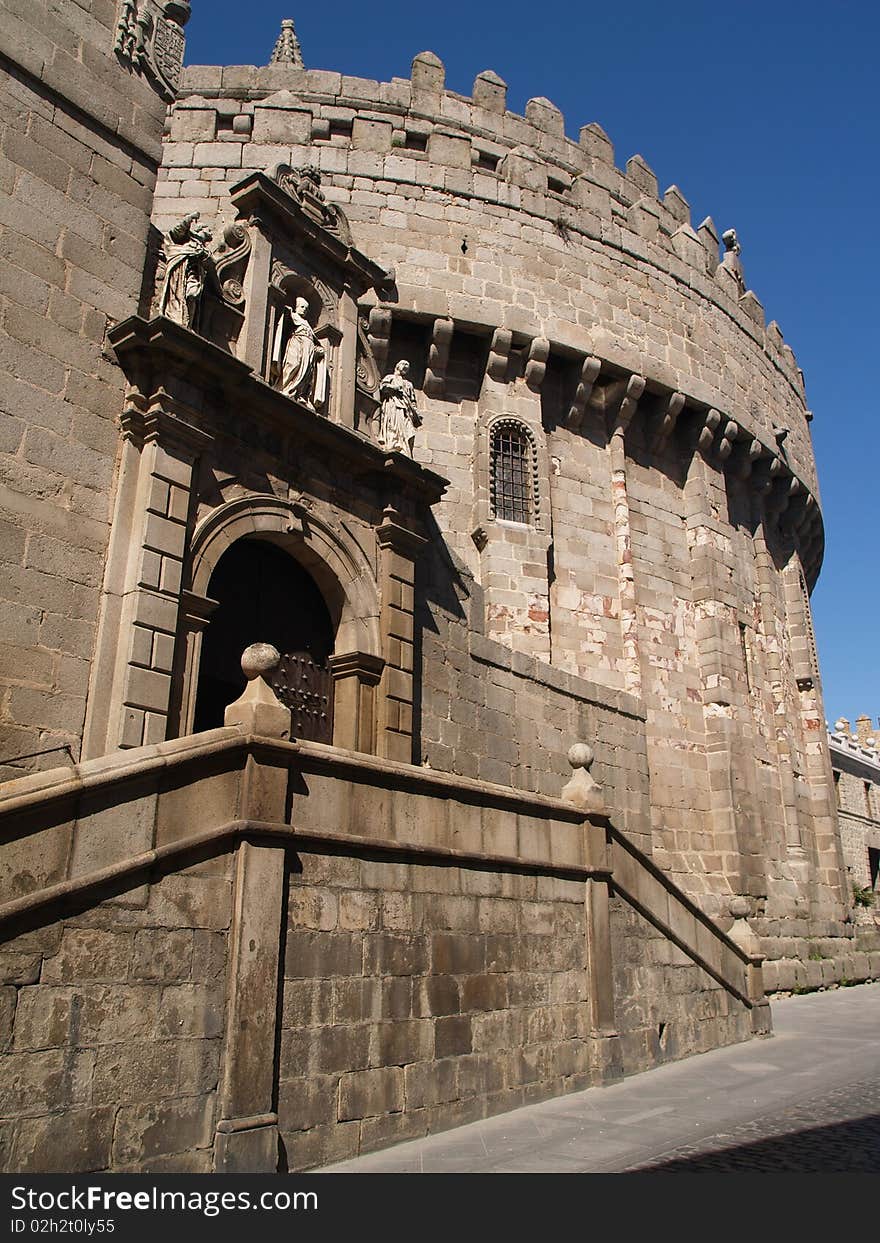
(366, 898)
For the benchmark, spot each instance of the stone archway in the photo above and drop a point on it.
(340, 572)
(263, 594)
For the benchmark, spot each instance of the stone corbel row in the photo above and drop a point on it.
(719, 438)
(770, 477)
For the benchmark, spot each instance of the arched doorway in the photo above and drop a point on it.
(264, 595)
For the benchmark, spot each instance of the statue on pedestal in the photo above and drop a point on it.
(296, 354)
(398, 417)
(187, 265)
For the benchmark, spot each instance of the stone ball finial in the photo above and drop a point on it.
(583, 790)
(259, 659)
(739, 907)
(580, 755)
(258, 709)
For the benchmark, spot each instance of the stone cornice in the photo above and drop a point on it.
(851, 758)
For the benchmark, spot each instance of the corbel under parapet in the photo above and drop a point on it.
(438, 357)
(590, 369)
(621, 402)
(728, 439)
(706, 438)
(536, 363)
(670, 408)
(379, 334)
(499, 354)
(746, 458)
(780, 492)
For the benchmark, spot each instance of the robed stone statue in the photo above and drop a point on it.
(296, 354)
(398, 417)
(187, 265)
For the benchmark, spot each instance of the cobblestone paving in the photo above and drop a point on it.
(836, 1132)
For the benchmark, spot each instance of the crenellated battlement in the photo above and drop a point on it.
(492, 221)
(526, 163)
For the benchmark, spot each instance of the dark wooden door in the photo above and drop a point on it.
(265, 596)
(306, 687)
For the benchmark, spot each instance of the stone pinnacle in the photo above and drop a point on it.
(287, 50)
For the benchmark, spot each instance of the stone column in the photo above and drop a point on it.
(342, 399)
(195, 613)
(832, 899)
(355, 678)
(130, 688)
(246, 1140)
(399, 547)
(252, 342)
(771, 620)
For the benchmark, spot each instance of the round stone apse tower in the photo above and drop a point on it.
(632, 506)
(415, 712)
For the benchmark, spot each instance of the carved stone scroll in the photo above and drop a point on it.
(230, 260)
(379, 334)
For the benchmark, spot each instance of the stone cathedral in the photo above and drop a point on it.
(410, 707)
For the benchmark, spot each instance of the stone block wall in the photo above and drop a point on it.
(81, 142)
(418, 997)
(506, 717)
(856, 764)
(111, 1030)
(666, 1006)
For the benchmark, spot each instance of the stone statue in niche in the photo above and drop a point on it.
(297, 356)
(188, 263)
(398, 416)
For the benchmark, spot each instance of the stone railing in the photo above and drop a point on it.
(111, 829)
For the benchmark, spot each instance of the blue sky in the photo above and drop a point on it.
(766, 117)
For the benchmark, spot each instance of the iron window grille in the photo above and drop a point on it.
(512, 474)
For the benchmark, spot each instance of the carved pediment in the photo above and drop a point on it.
(304, 187)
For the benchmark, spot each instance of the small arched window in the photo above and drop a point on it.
(512, 468)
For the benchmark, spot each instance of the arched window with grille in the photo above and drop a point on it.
(512, 472)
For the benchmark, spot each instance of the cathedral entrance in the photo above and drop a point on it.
(266, 596)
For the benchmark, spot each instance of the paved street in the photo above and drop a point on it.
(807, 1099)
